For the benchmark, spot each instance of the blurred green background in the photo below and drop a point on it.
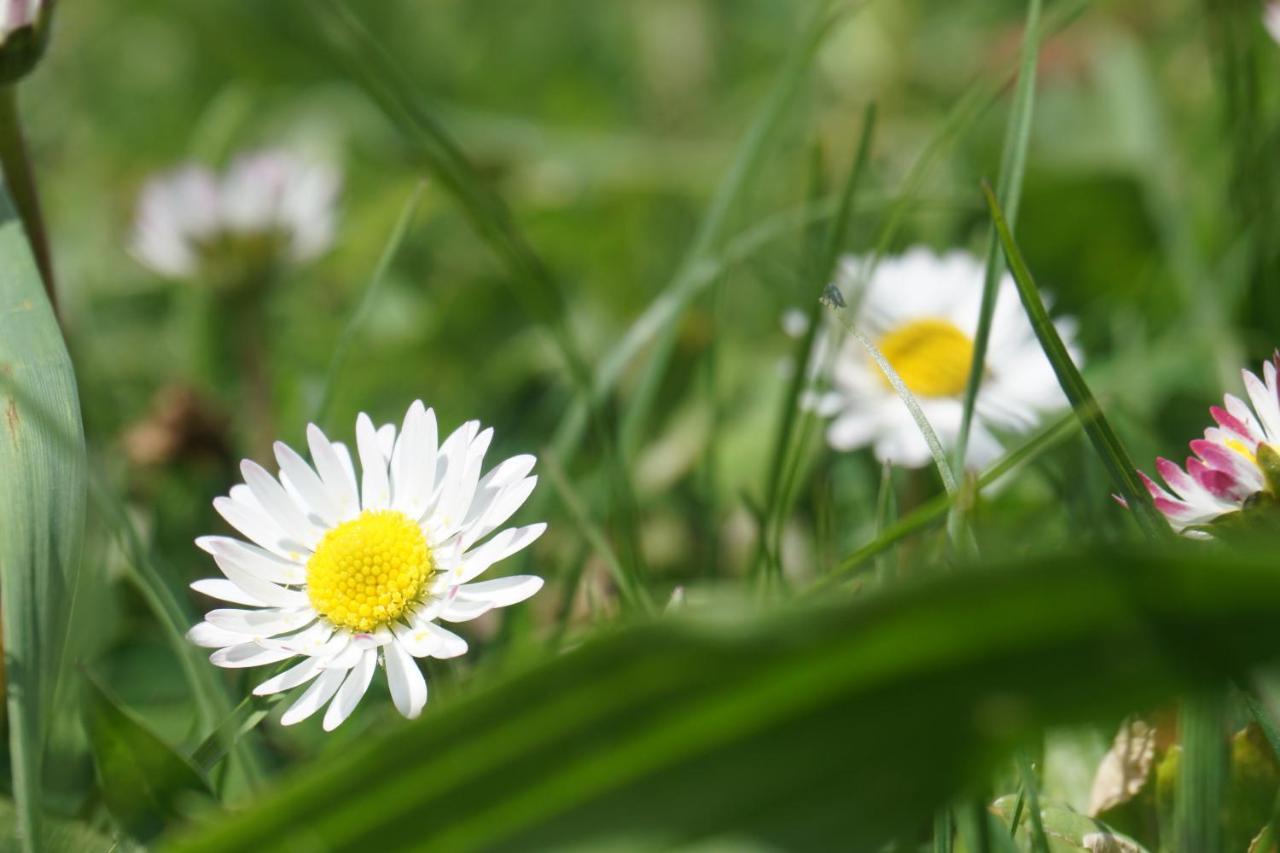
(1149, 213)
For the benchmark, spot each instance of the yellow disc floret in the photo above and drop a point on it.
(931, 356)
(366, 572)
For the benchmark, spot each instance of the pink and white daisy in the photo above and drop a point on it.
(1225, 471)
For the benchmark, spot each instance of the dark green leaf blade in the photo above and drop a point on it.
(145, 783)
(816, 723)
(42, 493)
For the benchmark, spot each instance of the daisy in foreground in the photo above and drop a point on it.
(350, 572)
(921, 311)
(1234, 462)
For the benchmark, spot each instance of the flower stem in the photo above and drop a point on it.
(20, 179)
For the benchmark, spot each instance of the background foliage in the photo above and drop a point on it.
(670, 168)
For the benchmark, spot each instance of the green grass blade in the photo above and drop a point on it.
(694, 272)
(1013, 161)
(1104, 439)
(1031, 788)
(143, 780)
(624, 736)
(785, 450)
(940, 460)
(358, 317)
(936, 509)
(242, 720)
(1202, 773)
(942, 831)
(355, 50)
(42, 493)
(207, 691)
(630, 586)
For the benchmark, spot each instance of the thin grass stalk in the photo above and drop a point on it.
(1013, 160)
(696, 268)
(20, 178)
(1104, 439)
(942, 831)
(936, 509)
(346, 338)
(1031, 787)
(786, 449)
(630, 587)
(1202, 774)
(743, 172)
(210, 698)
(369, 65)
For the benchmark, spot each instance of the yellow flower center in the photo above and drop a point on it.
(367, 571)
(1240, 447)
(931, 356)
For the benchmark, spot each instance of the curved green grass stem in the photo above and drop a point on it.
(20, 178)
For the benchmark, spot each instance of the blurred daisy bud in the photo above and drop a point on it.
(268, 210)
(24, 32)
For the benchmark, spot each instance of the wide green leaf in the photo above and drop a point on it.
(42, 503)
(144, 782)
(794, 728)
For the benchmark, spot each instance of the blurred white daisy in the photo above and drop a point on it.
(351, 572)
(269, 208)
(921, 311)
(1271, 19)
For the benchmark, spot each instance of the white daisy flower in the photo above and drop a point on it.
(349, 573)
(921, 311)
(269, 207)
(1271, 19)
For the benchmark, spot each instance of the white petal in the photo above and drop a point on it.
(290, 678)
(282, 508)
(465, 489)
(348, 657)
(375, 489)
(257, 561)
(339, 480)
(450, 461)
(258, 527)
(463, 610)
(260, 623)
(408, 687)
(500, 508)
(213, 637)
(352, 691)
(225, 590)
(315, 697)
(263, 591)
(448, 644)
(456, 498)
(502, 592)
(501, 546)
(247, 654)
(309, 485)
(411, 482)
(415, 639)
(387, 440)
